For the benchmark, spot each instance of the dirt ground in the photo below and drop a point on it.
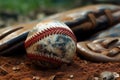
(21, 68)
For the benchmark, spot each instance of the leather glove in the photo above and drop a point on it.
(12, 38)
(100, 50)
(114, 31)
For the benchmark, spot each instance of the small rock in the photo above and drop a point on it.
(36, 78)
(15, 68)
(96, 78)
(107, 75)
(71, 76)
(116, 74)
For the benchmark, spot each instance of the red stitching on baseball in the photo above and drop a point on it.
(47, 32)
(44, 58)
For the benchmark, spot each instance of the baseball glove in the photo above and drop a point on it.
(100, 50)
(111, 32)
(84, 22)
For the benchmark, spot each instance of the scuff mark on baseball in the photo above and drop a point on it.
(51, 44)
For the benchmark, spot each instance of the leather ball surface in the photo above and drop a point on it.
(51, 44)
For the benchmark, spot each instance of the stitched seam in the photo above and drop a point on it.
(47, 32)
(45, 58)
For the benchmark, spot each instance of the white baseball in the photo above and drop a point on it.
(51, 44)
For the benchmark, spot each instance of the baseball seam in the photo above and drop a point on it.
(48, 59)
(47, 32)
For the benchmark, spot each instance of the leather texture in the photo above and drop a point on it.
(100, 50)
(84, 21)
(113, 31)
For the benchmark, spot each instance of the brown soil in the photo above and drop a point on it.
(21, 68)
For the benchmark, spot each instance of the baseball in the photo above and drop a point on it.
(51, 44)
